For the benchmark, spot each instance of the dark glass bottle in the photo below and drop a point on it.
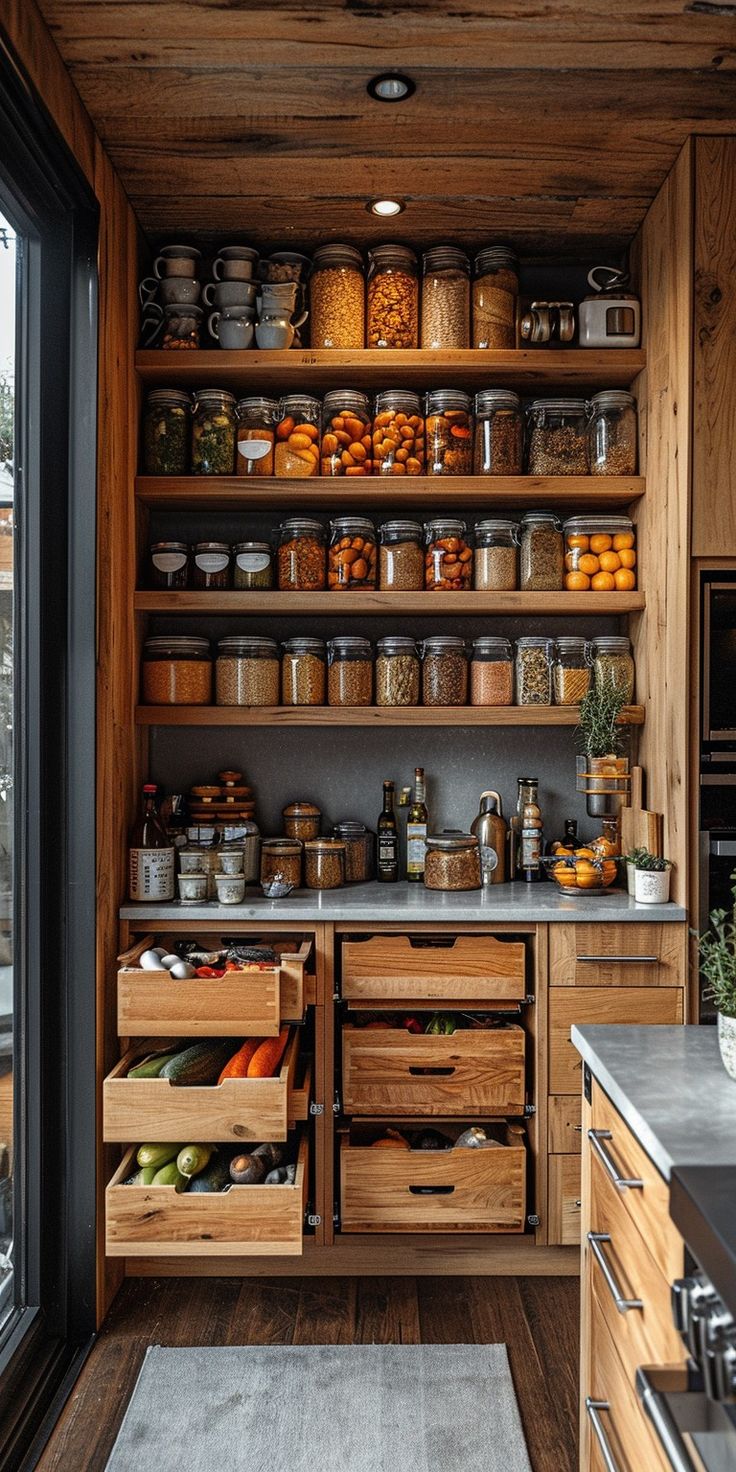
(569, 838)
(417, 820)
(151, 855)
(388, 839)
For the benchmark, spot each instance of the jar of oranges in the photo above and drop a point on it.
(600, 554)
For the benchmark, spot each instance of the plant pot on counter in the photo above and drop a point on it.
(727, 1043)
(605, 781)
(652, 887)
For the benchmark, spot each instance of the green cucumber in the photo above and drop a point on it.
(215, 1178)
(193, 1159)
(202, 1063)
(170, 1175)
(156, 1155)
(151, 1066)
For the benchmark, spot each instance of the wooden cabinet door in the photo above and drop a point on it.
(580, 1004)
(714, 400)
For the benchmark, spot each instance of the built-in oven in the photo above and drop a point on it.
(718, 670)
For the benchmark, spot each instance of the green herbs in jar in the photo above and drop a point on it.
(213, 433)
(166, 432)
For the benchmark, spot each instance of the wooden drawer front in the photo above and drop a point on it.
(564, 1128)
(384, 1190)
(592, 1004)
(243, 1221)
(631, 1442)
(618, 955)
(648, 1205)
(465, 968)
(564, 1200)
(234, 1005)
(397, 1072)
(247, 1109)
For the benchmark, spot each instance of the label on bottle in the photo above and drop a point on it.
(151, 874)
(531, 848)
(416, 847)
(169, 561)
(252, 561)
(211, 561)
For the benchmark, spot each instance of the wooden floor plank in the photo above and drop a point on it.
(387, 1311)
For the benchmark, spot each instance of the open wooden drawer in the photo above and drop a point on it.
(397, 1072)
(247, 1109)
(432, 967)
(238, 1004)
(242, 1221)
(395, 1190)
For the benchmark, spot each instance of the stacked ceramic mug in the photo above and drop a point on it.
(233, 295)
(169, 299)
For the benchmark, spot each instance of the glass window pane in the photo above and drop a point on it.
(7, 376)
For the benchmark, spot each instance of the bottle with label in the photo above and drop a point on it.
(388, 839)
(151, 855)
(417, 820)
(527, 790)
(491, 832)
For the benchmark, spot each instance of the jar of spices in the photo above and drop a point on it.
(166, 432)
(445, 298)
(347, 445)
(600, 554)
(558, 440)
(302, 556)
(499, 433)
(302, 820)
(359, 848)
(350, 670)
(351, 560)
(397, 671)
(491, 672)
(534, 670)
(337, 298)
(255, 436)
(448, 561)
(444, 670)
(324, 863)
(495, 293)
(247, 671)
(449, 432)
(452, 861)
(211, 566)
(401, 556)
(398, 433)
(393, 297)
(213, 432)
(612, 433)
(168, 565)
(252, 565)
(176, 671)
(304, 672)
(496, 560)
(541, 563)
(571, 670)
(296, 451)
(281, 858)
(613, 664)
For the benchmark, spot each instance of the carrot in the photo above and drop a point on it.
(266, 1059)
(237, 1066)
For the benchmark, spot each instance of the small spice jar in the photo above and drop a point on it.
(351, 560)
(347, 445)
(337, 298)
(452, 861)
(252, 565)
(401, 556)
(541, 563)
(302, 556)
(445, 298)
(304, 672)
(230, 889)
(256, 433)
(201, 856)
(600, 554)
(166, 432)
(176, 671)
(168, 565)
(393, 298)
(499, 433)
(444, 670)
(359, 849)
(213, 432)
(324, 863)
(612, 433)
(211, 566)
(613, 664)
(247, 671)
(398, 671)
(449, 432)
(398, 433)
(281, 858)
(302, 820)
(495, 293)
(558, 439)
(496, 560)
(192, 889)
(571, 670)
(491, 672)
(448, 560)
(534, 670)
(350, 670)
(296, 450)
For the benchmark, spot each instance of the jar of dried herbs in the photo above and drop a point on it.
(571, 669)
(281, 858)
(213, 432)
(302, 820)
(359, 849)
(542, 555)
(397, 671)
(166, 432)
(350, 670)
(613, 664)
(499, 433)
(558, 440)
(496, 561)
(534, 670)
(324, 863)
(444, 670)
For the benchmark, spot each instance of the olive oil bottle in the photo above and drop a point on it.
(387, 868)
(416, 830)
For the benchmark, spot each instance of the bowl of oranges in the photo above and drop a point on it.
(600, 554)
(588, 870)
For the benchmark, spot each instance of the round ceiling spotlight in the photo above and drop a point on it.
(391, 87)
(386, 207)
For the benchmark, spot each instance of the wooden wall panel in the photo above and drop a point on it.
(714, 338)
(22, 25)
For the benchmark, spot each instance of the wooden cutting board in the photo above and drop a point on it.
(640, 828)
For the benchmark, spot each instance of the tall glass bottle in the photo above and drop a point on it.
(388, 839)
(417, 820)
(151, 855)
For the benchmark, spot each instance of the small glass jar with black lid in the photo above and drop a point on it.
(168, 566)
(211, 566)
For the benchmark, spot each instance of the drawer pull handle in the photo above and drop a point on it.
(596, 1240)
(594, 1408)
(431, 1190)
(617, 960)
(624, 1183)
(431, 1072)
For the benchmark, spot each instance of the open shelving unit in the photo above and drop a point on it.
(474, 492)
(369, 715)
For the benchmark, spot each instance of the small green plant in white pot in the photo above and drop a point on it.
(651, 877)
(718, 965)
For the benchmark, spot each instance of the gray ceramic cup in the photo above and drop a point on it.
(226, 294)
(176, 260)
(232, 332)
(235, 263)
(179, 291)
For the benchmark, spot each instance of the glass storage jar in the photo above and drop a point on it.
(452, 861)
(346, 434)
(558, 437)
(337, 298)
(445, 298)
(495, 293)
(296, 451)
(324, 863)
(201, 857)
(304, 672)
(499, 433)
(349, 670)
(398, 671)
(496, 559)
(255, 436)
(252, 565)
(571, 671)
(449, 432)
(444, 670)
(281, 858)
(541, 563)
(612, 433)
(613, 664)
(359, 848)
(182, 327)
(302, 820)
(211, 566)
(166, 432)
(176, 671)
(534, 670)
(213, 432)
(302, 555)
(168, 565)
(491, 672)
(351, 559)
(600, 554)
(401, 556)
(398, 433)
(393, 298)
(448, 560)
(247, 671)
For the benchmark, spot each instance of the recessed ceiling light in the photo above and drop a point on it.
(386, 207)
(391, 87)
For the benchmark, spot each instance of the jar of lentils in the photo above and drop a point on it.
(445, 298)
(452, 861)
(359, 842)
(542, 557)
(176, 671)
(166, 432)
(558, 438)
(571, 670)
(495, 293)
(444, 670)
(302, 820)
(281, 858)
(351, 559)
(534, 670)
(401, 556)
(211, 566)
(612, 433)
(252, 565)
(398, 433)
(296, 451)
(255, 436)
(496, 561)
(499, 433)
(347, 446)
(397, 671)
(491, 672)
(304, 672)
(213, 432)
(349, 671)
(168, 565)
(337, 298)
(393, 298)
(302, 556)
(448, 560)
(247, 671)
(613, 664)
(324, 863)
(449, 432)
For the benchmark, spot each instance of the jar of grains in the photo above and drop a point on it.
(499, 433)
(247, 671)
(452, 861)
(351, 559)
(534, 670)
(612, 433)
(613, 664)
(600, 554)
(398, 433)
(558, 439)
(211, 566)
(393, 298)
(213, 432)
(302, 556)
(176, 671)
(449, 431)
(337, 298)
(359, 842)
(397, 671)
(444, 670)
(296, 451)
(324, 863)
(349, 670)
(252, 565)
(168, 565)
(541, 563)
(496, 561)
(346, 434)
(401, 556)
(445, 298)
(448, 560)
(281, 858)
(166, 432)
(491, 672)
(571, 672)
(302, 820)
(495, 292)
(255, 436)
(304, 672)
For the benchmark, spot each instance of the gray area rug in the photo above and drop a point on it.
(351, 1408)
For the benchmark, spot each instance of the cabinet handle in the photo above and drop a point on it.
(593, 1409)
(431, 1190)
(596, 1240)
(422, 1072)
(624, 1183)
(666, 1429)
(617, 960)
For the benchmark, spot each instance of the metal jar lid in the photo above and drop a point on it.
(177, 646)
(440, 399)
(445, 258)
(203, 397)
(443, 526)
(304, 644)
(352, 526)
(403, 530)
(397, 644)
(495, 258)
(267, 408)
(589, 525)
(338, 400)
(452, 842)
(559, 406)
(400, 400)
(444, 644)
(488, 399)
(249, 644)
(252, 547)
(169, 547)
(613, 398)
(382, 256)
(493, 644)
(337, 255)
(173, 398)
(302, 526)
(350, 644)
(222, 547)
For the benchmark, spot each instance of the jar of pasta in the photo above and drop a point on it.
(542, 558)
(213, 432)
(401, 556)
(176, 670)
(252, 565)
(534, 670)
(571, 671)
(255, 436)
(351, 560)
(296, 451)
(211, 566)
(304, 671)
(449, 432)
(444, 670)
(445, 298)
(397, 671)
(499, 433)
(398, 433)
(612, 433)
(347, 445)
(324, 863)
(613, 664)
(448, 561)
(166, 432)
(337, 298)
(495, 293)
(393, 297)
(496, 562)
(350, 670)
(247, 671)
(281, 858)
(491, 672)
(302, 555)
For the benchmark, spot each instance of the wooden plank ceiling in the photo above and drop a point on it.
(549, 123)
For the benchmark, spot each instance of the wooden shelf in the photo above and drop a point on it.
(271, 493)
(386, 604)
(370, 715)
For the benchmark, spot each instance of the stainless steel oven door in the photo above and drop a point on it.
(696, 1434)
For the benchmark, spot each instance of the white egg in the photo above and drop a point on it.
(160, 950)
(182, 971)
(170, 961)
(151, 961)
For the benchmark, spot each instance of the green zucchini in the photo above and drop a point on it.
(151, 1066)
(170, 1175)
(193, 1159)
(202, 1063)
(156, 1155)
(215, 1178)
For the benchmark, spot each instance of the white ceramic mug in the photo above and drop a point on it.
(176, 260)
(274, 330)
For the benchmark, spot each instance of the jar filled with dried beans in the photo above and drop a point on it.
(176, 670)
(359, 849)
(571, 670)
(542, 557)
(449, 432)
(444, 670)
(166, 432)
(401, 556)
(213, 432)
(398, 433)
(397, 671)
(296, 451)
(255, 436)
(491, 672)
(495, 293)
(612, 433)
(324, 863)
(304, 672)
(337, 298)
(393, 298)
(350, 670)
(558, 439)
(534, 670)
(452, 861)
(302, 820)
(445, 298)
(448, 559)
(499, 433)
(347, 446)
(281, 858)
(302, 556)
(496, 561)
(247, 671)
(351, 558)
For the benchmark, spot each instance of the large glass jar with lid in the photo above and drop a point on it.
(304, 671)
(247, 671)
(255, 436)
(444, 670)
(397, 671)
(491, 671)
(213, 432)
(347, 446)
(252, 565)
(558, 437)
(541, 563)
(324, 863)
(359, 850)
(401, 556)
(612, 433)
(571, 670)
(302, 555)
(281, 859)
(448, 562)
(166, 432)
(350, 670)
(499, 433)
(398, 433)
(337, 298)
(302, 820)
(449, 432)
(445, 298)
(613, 664)
(351, 559)
(393, 298)
(296, 451)
(534, 670)
(176, 670)
(600, 554)
(496, 560)
(495, 294)
(452, 861)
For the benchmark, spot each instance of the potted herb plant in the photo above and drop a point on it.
(601, 768)
(718, 965)
(651, 877)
